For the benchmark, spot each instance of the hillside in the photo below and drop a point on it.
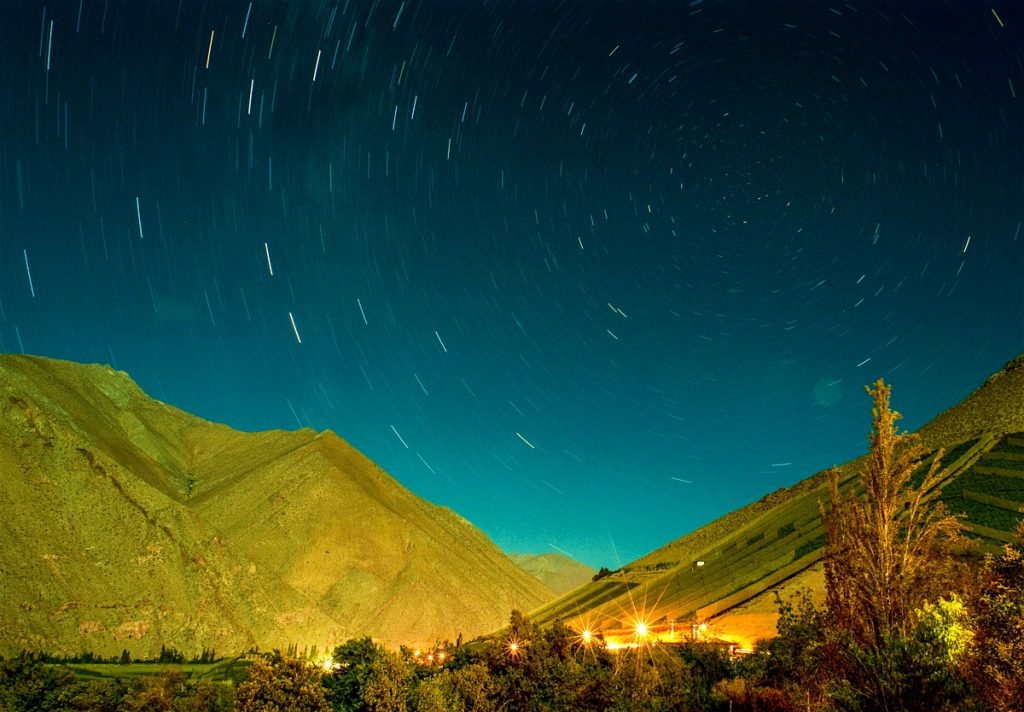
(128, 523)
(724, 575)
(556, 571)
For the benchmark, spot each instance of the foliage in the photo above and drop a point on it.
(900, 672)
(882, 551)
(388, 684)
(109, 695)
(436, 693)
(472, 688)
(352, 662)
(702, 667)
(282, 684)
(27, 684)
(808, 546)
(998, 661)
(172, 691)
(945, 627)
(797, 656)
(894, 633)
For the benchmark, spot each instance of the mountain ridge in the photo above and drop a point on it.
(135, 524)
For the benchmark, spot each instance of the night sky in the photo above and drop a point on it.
(589, 273)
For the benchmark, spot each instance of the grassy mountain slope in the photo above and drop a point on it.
(726, 571)
(321, 501)
(556, 571)
(128, 523)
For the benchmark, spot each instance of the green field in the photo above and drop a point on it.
(227, 670)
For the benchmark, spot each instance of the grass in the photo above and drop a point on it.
(752, 554)
(1007, 504)
(808, 546)
(998, 485)
(1015, 443)
(989, 516)
(232, 670)
(1005, 462)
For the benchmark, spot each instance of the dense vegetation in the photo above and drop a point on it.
(914, 619)
(958, 653)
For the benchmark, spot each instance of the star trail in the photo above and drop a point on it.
(590, 273)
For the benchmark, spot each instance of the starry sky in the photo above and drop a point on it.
(589, 273)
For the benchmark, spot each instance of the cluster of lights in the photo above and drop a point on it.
(641, 631)
(434, 657)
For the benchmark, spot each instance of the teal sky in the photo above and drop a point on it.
(591, 274)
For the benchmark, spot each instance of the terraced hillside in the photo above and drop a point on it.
(990, 490)
(724, 574)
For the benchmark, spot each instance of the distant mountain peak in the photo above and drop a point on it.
(557, 571)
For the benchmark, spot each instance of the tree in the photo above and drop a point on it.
(282, 684)
(27, 684)
(998, 665)
(346, 683)
(103, 695)
(387, 686)
(436, 693)
(472, 683)
(883, 550)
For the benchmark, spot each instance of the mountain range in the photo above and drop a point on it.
(130, 524)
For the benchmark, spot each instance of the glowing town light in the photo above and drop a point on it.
(587, 636)
(514, 648)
